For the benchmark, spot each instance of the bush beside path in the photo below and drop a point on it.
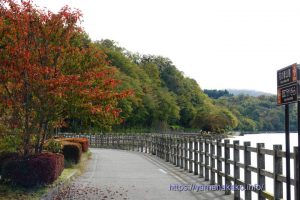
(32, 176)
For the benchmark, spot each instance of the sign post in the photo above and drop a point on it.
(287, 93)
(287, 152)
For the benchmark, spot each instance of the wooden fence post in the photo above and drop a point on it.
(181, 152)
(227, 165)
(150, 144)
(236, 159)
(127, 142)
(190, 155)
(195, 156)
(124, 142)
(156, 145)
(118, 141)
(177, 152)
(163, 147)
(96, 140)
(113, 141)
(201, 158)
(160, 146)
(185, 154)
(212, 163)
(174, 150)
(107, 140)
(171, 149)
(296, 172)
(167, 151)
(133, 142)
(138, 143)
(146, 143)
(219, 161)
(277, 169)
(101, 141)
(247, 172)
(261, 179)
(206, 165)
(142, 143)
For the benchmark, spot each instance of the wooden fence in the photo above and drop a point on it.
(211, 159)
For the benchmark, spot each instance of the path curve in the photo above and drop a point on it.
(124, 175)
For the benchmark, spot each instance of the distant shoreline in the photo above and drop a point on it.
(264, 132)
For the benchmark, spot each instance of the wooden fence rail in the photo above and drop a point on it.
(211, 159)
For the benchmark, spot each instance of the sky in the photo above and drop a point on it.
(221, 44)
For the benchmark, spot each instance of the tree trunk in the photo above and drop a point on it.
(26, 137)
(44, 134)
(38, 139)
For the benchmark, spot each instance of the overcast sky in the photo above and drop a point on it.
(221, 44)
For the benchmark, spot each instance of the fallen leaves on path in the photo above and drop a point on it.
(77, 191)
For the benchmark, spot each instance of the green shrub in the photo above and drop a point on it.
(53, 146)
(10, 143)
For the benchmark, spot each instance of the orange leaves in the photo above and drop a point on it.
(96, 109)
(27, 54)
(31, 60)
(112, 83)
(51, 69)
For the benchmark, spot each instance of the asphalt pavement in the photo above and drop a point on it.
(127, 175)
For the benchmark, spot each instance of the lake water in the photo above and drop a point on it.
(269, 139)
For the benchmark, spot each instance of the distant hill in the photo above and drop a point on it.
(215, 94)
(253, 93)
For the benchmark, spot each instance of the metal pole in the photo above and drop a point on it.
(287, 153)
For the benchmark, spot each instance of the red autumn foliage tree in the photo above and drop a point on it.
(45, 74)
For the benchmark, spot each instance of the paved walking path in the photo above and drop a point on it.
(122, 175)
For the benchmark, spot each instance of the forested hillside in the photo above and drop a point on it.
(164, 99)
(254, 113)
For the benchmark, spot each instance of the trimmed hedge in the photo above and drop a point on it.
(83, 141)
(34, 170)
(6, 156)
(72, 151)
